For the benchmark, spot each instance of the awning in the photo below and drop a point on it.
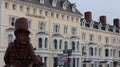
(103, 61)
(87, 61)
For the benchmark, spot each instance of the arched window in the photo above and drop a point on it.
(91, 51)
(73, 45)
(106, 52)
(46, 42)
(65, 45)
(40, 42)
(10, 38)
(60, 44)
(55, 44)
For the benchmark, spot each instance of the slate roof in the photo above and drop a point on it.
(48, 4)
(103, 27)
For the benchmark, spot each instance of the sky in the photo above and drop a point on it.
(109, 8)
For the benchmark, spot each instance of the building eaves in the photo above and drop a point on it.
(48, 4)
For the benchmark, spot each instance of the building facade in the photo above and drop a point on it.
(100, 42)
(56, 25)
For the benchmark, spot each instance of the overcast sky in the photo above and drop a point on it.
(109, 8)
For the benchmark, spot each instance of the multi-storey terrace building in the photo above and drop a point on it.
(100, 42)
(56, 25)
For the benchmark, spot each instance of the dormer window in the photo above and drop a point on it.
(107, 26)
(73, 7)
(54, 3)
(65, 5)
(42, 1)
(114, 28)
(91, 24)
(99, 26)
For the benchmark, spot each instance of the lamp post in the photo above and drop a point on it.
(84, 61)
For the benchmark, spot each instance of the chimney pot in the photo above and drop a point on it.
(102, 20)
(116, 22)
(88, 16)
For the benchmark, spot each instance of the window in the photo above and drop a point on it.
(45, 61)
(91, 51)
(28, 9)
(10, 38)
(52, 14)
(106, 52)
(83, 36)
(21, 8)
(78, 46)
(73, 45)
(6, 5)
(46, 42)
(54, 3)
(40, 42)
(12, 20)
(91, 37)
(46, 13)
(72, 18)
(65, 29)
(100, 50)
(68, 17)
(119, 53)
(106, 40)
(66, 47)
(42, 26)
(63, 16)
(83, 50)
(65, 5)
(57, 15)
(34, 11)
(99, 39)
(14, 6)
(29, 23)
(92, 65)
(107, 65)
(114, 53)
(40, 12)
(114, 40)
(96, 51)
(60, 44)
(56, 28)
(73, 8)
(74, 30)
(77, 62)
(55, 62)
(55, 44)
(77, 19)
(73, 62)
(111, 52)
(42, 1)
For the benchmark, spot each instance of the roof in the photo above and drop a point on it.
(103, 27)
(48, 4)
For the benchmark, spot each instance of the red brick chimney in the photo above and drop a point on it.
(102, 20)
(88, 16)
(116, 22)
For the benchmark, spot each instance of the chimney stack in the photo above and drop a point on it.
(116, 22)
(88, 16)
(102, 20)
